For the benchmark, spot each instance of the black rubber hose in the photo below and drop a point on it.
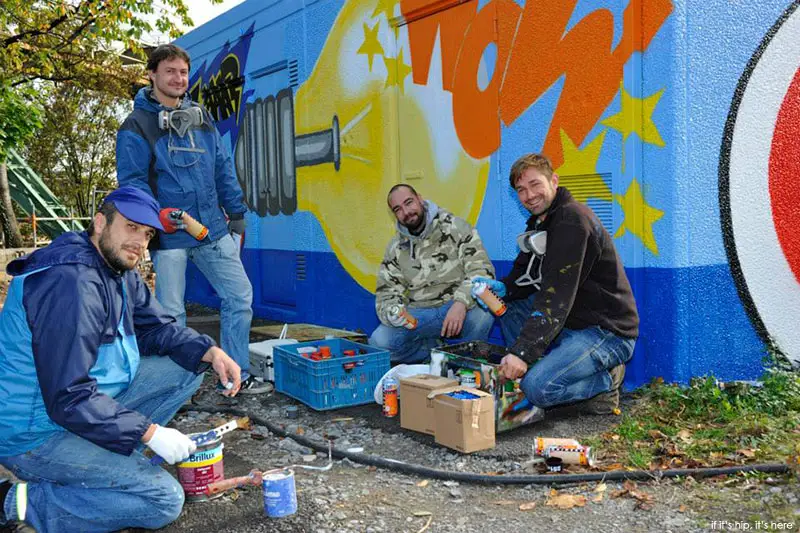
(433, 473)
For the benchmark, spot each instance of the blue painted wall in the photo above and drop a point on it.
(684, 158)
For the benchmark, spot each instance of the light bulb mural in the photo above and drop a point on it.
(355, 127)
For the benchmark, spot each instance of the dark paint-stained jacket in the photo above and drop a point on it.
(583, 282)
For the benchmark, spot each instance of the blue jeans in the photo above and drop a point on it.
(220, 263)
(414, 345)
(75, 485)
(574, 367)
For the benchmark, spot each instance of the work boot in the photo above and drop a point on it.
(606, 402)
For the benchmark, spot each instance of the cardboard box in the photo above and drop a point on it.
(416, 409)
(480, 362)
(466, 425)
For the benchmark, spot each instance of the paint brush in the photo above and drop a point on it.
(210, 436)
(255, 477)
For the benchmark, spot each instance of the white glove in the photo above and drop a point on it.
(172, 445)
(397, 320)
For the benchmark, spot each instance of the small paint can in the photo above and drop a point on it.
(203, 467)
(291, 412)
(572, 455)
(541, 443)
(280, 494)
(554, 464)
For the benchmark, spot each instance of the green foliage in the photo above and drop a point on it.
(74, 151)
(19, 119)
(80, 40)
(711, 423)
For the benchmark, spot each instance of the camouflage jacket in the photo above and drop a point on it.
(432, 268)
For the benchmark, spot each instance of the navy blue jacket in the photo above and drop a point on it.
(60, 362)
(200, 183)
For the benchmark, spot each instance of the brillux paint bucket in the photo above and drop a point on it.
(280, 496)
(204, 466)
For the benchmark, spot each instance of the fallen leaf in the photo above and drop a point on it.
(656, 434)
(300, 431)
(613, 466)
(527, 506)
(618, 493)
(615, 437)
(629, 485)
(682, 509)
(566, 501)
(685, 435)
(423, 483)
(504, 502)
(600, 487)
(747, 452)
(553, 492)
(617, 411)
(422, 513)
(598, 498)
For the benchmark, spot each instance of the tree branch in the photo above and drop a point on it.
(34, 33)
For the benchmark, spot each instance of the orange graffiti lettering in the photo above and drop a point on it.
(533, 53)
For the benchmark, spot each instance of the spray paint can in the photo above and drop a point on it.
(571, 455)
(540, 444)
(492, 301)
(280, 494)
(467, 378)
(400, 310)
(390, 400)
(203, 467)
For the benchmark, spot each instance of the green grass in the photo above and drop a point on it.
(709, 424)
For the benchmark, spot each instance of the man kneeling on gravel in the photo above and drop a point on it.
(572, 321)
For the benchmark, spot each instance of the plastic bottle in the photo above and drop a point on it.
(492, 301)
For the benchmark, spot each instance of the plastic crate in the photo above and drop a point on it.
(340, 381)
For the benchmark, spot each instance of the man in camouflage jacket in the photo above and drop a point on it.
(428, 270)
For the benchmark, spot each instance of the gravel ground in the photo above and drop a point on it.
(357, 498)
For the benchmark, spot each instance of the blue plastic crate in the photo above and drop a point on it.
(340, 381)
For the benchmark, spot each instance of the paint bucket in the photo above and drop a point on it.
(204, 466)
(280, 496)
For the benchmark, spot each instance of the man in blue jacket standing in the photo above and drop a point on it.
(91, 370)
(169, 147)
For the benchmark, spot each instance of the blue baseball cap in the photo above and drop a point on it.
(136, 205)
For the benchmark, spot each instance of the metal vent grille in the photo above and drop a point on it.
(300, 266)
(294, 74)
(598, 197)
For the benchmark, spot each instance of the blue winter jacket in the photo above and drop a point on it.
(200, 183)
(62, 359)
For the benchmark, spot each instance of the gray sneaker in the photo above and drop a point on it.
(254, 385)
(606, 402)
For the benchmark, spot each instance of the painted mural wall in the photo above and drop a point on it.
(676, 121)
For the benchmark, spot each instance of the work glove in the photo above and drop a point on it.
(172, 445)
(172, 219)
(497, 287)
(236, 224)
(397, 320)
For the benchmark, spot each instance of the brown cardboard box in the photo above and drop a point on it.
(416, 409)
(464, 425)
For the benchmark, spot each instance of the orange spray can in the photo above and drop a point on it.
(492, 301)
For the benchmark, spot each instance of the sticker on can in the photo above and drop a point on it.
(204, 466)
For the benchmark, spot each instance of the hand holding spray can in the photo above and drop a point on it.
(174, 219)
(487, 296)
(398, 310)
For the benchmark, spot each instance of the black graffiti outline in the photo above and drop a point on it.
(725, 215)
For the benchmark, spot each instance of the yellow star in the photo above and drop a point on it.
(639, 217)
(371, 46)
(397, 71)
(385, 6)
(636, 116)
(578, 173)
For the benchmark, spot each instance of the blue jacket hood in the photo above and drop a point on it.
(67, 248)
(146, 101)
